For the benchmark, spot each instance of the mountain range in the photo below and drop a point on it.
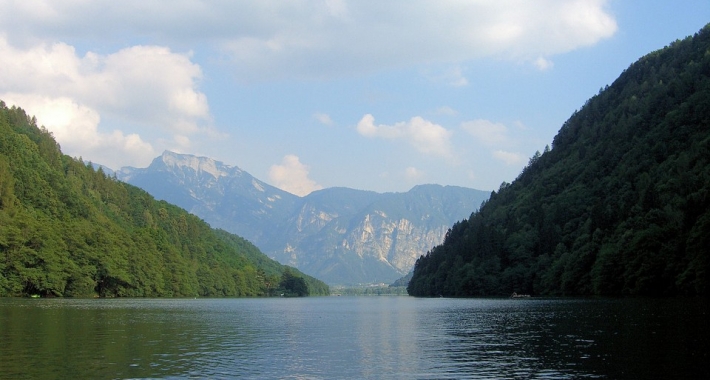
(342, 236)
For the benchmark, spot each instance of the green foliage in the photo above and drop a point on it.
(273, 272)
(292, 285)
(403, 281)
(619, 206)
(69, 230)
(370, 290)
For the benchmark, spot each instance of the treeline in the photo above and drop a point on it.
(69, 230)
(619, 206)
(279, 279)
(372, 290)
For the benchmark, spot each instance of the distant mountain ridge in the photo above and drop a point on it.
(339, 235)
(225, 196)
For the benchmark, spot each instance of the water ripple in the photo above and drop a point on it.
(352, 338)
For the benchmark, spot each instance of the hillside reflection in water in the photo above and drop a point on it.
(354, 337)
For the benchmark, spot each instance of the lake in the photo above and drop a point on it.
(388, 337)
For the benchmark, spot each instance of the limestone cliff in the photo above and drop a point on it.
(339, 235)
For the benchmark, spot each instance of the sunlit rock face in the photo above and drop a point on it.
(396, 242)
(339, 235)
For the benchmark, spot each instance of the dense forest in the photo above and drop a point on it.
(620, 205)
(67, 229)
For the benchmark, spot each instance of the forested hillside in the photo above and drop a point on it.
(619, 206)
(69, 230)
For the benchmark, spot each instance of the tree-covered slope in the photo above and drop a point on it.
(619, 206)
(69, 230)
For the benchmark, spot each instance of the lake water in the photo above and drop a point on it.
(354, 338)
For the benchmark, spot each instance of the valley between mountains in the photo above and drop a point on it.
(339, 235)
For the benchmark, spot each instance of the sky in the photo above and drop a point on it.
(311, 94)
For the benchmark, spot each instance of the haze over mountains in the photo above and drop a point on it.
(339, 235)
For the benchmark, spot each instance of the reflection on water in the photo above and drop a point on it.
(353, 337)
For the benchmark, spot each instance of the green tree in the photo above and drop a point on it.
(67, 229)
(618, 206)
(292, 285)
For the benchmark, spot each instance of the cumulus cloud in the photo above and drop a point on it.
(292, 176)
(149, 85)
(487, 132)
(74, 126)
(146, 86)
(423, 135)
(304, 38)
(509, 158)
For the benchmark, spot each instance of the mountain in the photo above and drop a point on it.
(340, 235)
(349, 236)
(68, 229)
(225, 196)
(619, 206)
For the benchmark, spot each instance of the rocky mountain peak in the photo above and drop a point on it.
(339, 235)
(200, 165)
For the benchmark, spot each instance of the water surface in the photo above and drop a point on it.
(354, 338)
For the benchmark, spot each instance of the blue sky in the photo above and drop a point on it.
(373, 95)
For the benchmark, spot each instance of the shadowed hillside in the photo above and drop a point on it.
(619, 206)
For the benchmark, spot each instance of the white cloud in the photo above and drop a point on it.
(376, 35)
(144, 86)
(303, 38)
(423, 135)
(543, 64)
(183, 142)
(74, 126)
(292, 176)
(323, 118)
(149, 85)
(413, 174)
(446, 110)
(451, 76)
(509, 158)
(486, 131)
